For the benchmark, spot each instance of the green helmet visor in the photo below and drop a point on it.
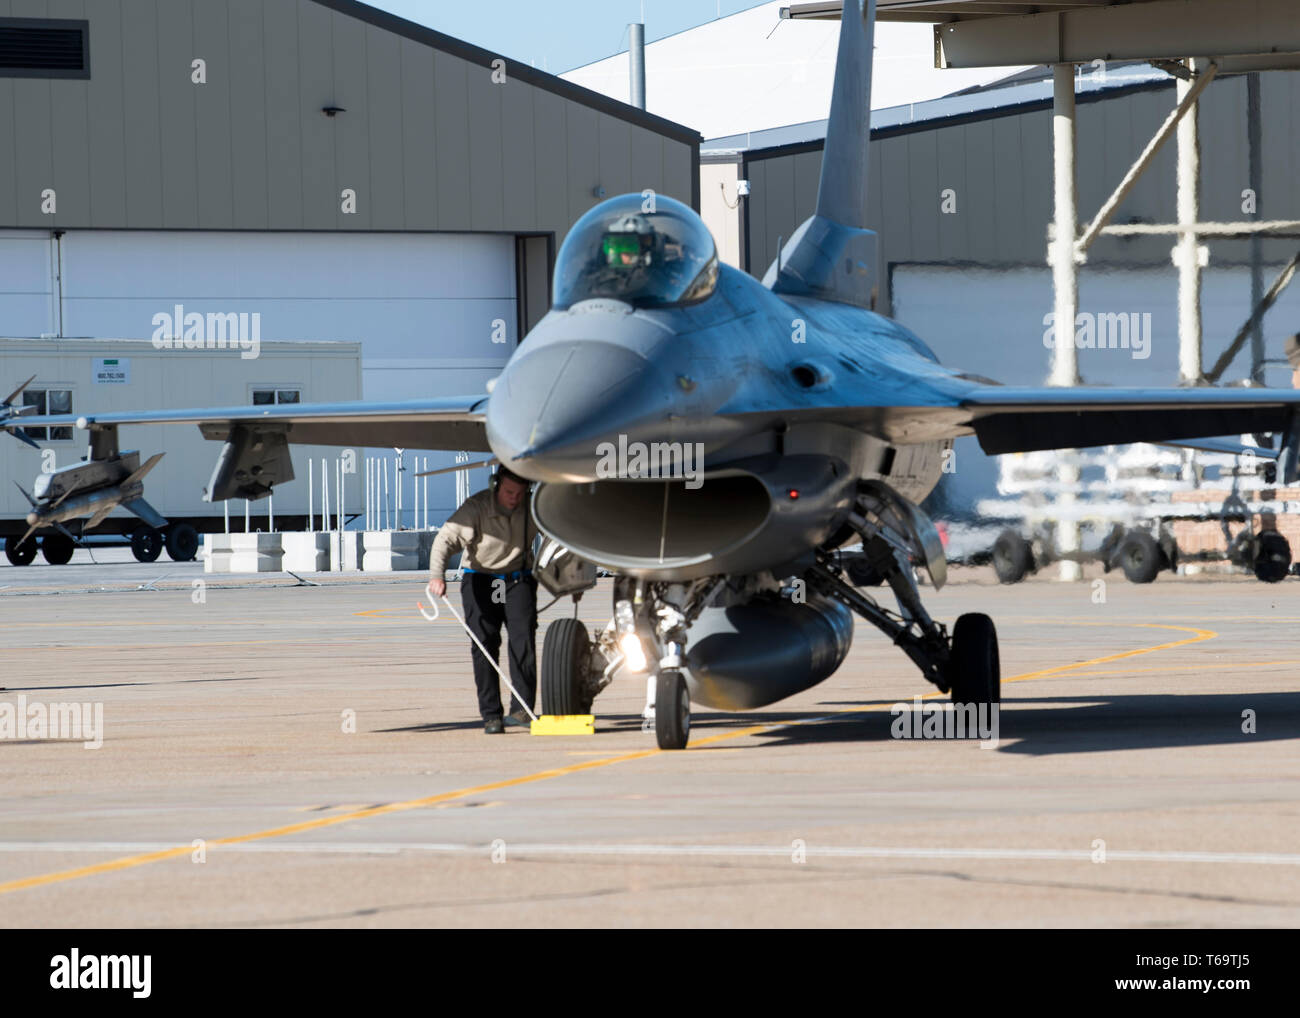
(621, 248)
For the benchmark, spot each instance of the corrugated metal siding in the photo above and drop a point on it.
(1001, 171)
(429, 141)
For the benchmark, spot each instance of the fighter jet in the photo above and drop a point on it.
(716, 442)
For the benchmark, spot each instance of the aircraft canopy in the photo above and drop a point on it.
(647, 250)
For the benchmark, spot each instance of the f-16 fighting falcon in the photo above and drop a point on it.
(714, 442)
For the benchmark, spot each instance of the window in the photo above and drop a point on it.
(44, 48)
(48, 401)
(276, 397)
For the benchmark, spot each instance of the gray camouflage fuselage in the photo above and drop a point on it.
(748, 377)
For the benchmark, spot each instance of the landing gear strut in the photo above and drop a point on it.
(894, 533)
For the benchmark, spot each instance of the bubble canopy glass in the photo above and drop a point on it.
(646, 250)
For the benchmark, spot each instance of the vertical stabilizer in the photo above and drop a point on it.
(832, 255)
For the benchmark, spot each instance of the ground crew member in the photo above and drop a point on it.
(495, 531)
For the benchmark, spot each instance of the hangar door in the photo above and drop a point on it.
(27, 284)
(426, 307)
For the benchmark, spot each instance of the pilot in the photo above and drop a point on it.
(495, 531)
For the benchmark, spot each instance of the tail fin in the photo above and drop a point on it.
(832, 255)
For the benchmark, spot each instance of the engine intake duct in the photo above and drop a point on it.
(752, 654)
(635, 525)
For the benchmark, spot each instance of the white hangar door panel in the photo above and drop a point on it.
(27, 307)
(425, 307)
(435, 313)
(991, 322)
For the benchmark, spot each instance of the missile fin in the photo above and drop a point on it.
(139, 474)
(145, 511)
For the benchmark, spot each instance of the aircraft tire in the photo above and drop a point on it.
(975, 668)
(672, 710)
(1272, 557)
(182, 542)
(1140, 557)
(566, 656)
(1012, 557)
(57, 549)
(146, 544)
(20, 554)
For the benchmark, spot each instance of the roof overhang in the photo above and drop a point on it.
(1240, 36)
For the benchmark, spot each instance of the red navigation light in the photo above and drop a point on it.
(794, 493)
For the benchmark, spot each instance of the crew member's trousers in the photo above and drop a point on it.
(515, 605)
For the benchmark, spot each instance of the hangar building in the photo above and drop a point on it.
(340, 172)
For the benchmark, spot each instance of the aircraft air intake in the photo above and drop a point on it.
(678, 529)
(624, 524)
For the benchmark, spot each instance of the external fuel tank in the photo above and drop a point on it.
(752, 654)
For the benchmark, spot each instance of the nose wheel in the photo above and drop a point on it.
(672, 710)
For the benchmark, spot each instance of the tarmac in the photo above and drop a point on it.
(285, 755)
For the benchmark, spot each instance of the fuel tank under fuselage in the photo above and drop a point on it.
(752, 654)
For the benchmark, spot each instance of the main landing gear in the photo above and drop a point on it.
(895, 533)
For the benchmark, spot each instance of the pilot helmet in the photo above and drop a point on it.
(629, 242)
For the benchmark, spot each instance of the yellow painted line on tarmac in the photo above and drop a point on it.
(1201, 636)
(132, 861)
(1198, 667)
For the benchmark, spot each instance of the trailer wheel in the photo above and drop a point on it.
(182, 542)
(57, 549)
(1012, 557)
(146, 544)
(20, 554)
(1272, 557)
(1140, 557)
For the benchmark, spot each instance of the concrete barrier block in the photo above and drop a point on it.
(393, 551)
(348, 553)
(216, 553)
(256, 553)
(307, 552)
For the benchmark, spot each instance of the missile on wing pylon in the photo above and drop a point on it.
(92, 488)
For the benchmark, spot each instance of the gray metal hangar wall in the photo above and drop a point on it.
(341, 172)
(973, 281)
(998, 161)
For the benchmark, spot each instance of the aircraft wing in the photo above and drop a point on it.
(450, 423)
(255, 457)
(1023, 419)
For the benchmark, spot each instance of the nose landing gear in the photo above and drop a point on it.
(672, 710)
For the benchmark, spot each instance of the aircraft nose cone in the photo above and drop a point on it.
(551, 408)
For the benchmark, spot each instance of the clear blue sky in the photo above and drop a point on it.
(558, 34)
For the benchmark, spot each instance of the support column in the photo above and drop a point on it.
(1254, 145)
(636, 64)
(1187, 253)
(1065, 276)
(1065, 288)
